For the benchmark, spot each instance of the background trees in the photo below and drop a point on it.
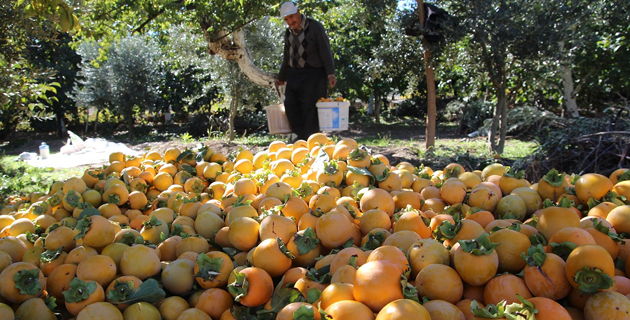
(565, 57)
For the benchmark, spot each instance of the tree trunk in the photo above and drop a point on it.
(87, 122)
(502, 105)
(233, 48)
(492, 136)
(96, 120)
(431, 96)
(62, 131)
(568, 92)
(431, 103)
(377, 107)
(499, 121)
(130, 123)
(233, 109)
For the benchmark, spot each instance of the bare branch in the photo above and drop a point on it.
(579, 86)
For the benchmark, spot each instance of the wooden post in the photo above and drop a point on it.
(428, 69)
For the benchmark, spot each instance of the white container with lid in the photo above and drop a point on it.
(44, 150)
(333, 116)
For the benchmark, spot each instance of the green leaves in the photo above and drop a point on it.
(209, 268)
(409, 291)
(153, 222)
(564, 249)
(374, 240)
(130, 238)
(479, 246)
(491, 311)
(27, 281)
(239, 287)
(304, 312)
(521, 311)
(56, 10)
(83, 226)
(283, 248)
(535, 256)
(592, 280)
(88, 212)
(313, 295)
(121, 291)
(362, 172)
(79, 290)
(554, 178)
(283, 294)
(149, 291)
(50, 255)
(306, 241)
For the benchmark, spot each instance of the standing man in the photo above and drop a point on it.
(307, 69)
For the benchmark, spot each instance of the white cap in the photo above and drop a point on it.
(288, 8)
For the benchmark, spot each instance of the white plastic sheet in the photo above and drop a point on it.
(78, 152)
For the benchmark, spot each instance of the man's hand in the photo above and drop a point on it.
(280, 82)
(332, 80)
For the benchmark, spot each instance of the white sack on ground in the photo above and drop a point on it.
(80, 153)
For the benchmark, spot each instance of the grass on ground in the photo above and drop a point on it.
(20, 178)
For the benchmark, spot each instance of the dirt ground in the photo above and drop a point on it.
(413, 132)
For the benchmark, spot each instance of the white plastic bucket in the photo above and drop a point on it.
(333, 116)
(277, 119)
(44, 150)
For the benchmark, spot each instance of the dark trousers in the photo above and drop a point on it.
(304, 88)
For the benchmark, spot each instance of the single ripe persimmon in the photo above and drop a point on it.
(403, 309)
(505, 287)
(212, 269)
(214, 302)
(380, 274)
(251, 286)
(440, 282)
(350, 309)
(81, 294)
(295, 310)
(590, 268)
(545, 274)
(20, 282)
(476, 261)
(443, 310)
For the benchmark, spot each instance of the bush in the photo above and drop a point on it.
(217, 122)
(473, 115)
(572, 144)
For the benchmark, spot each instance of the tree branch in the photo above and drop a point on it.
(153, 16)
(237, 28)
(488, 63)
(604, 133)
(579, 86)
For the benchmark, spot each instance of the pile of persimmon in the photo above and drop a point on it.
(312, 230)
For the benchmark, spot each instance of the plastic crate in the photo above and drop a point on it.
(277, 119)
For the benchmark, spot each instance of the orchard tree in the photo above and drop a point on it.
(237, 89)
(133, 74)
(55, 54)
(188, 84)
(372, 55)
(220, 22)
(602, 61)
(505, 35)
(23, 86)
(92, 89)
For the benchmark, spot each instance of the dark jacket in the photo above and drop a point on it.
(316, 47)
